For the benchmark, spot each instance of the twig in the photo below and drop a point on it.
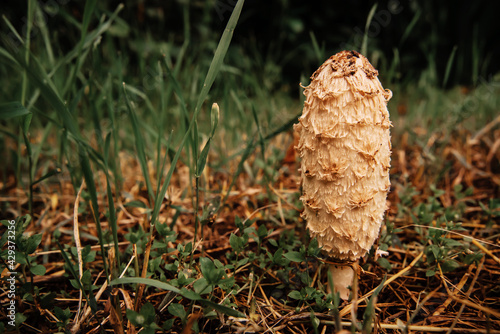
(483, 131)
(487, 251)
(457, 289)
(257, 210)
(420, 306)
(418, 328)
(470, 304)
(145, 264)
(282, 198)
(78, 245)
(455, 321)
(475, 241)
(347, 308)
(122, 243)
(275, 314)
(98, 295)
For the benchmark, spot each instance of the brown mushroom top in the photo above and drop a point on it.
(346, 63)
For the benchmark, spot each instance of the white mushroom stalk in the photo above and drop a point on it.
(345, 153)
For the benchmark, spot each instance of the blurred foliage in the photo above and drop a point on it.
(405, 38)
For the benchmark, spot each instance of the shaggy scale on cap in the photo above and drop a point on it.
(345, 153)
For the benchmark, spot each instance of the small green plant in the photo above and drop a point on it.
(305, 255)
(23, 247)
(388, 237)
(492, 210)
(145, 318)
(439, 227)
(442, 249)
(63, 317)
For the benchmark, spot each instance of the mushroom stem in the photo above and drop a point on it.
(342, 277)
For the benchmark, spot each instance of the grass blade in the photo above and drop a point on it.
(26, 122)
(202, 160)
(184, 293)
(261, 138)
(87, 13)
(220, 52)
(139, 144)
(89, 41)
(31, 13)
(335, 302)
(448, 66)
(12, 109)
(319, 52)
(50, 173)
(370, 308)
(364, 44)
(111, 205)
(40, 79)
(251, 144)
(92, 302)
(91, 189)
(212, 73)
(410, 27)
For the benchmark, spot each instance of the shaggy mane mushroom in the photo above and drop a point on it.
(344, 146)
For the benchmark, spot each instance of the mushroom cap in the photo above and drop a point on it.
(345, 148)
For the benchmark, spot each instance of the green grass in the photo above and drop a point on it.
(114, 96)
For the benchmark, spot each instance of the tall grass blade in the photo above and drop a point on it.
(142, 95)
(391, 73)
(364, 45)
(336, 302)
(285, 127)
(250, 147)
(162, 168)
(87, 14)
(92, 191)
(410, 27)
(29, 26)
(212, 73)
(10, 42)
(90, 301)
(160, 125)
(88, 11)
(45, 35)
(194, 142)
(174, 84)
(111, 205)
(50, 173)
(12, 109)
(448, 66)
(90, 39)
(139, 144)
(183, 292)
(220, 53)
(39, 78)
(261, 138)
(202, 160)
(370, 309)
(319, 52)
(115, 162)
(26, 122)
(37, 150)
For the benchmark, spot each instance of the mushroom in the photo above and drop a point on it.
(344, 146)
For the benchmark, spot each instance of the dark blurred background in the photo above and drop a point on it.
(407, 36)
